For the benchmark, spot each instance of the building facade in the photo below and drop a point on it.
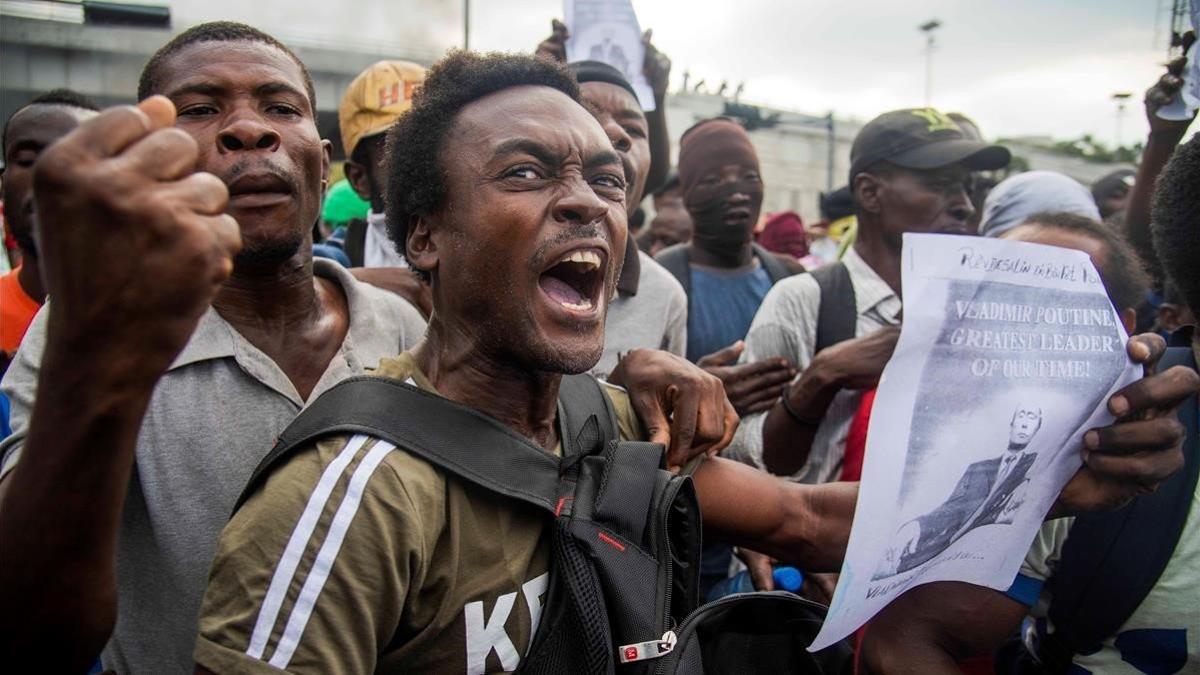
(44, 45)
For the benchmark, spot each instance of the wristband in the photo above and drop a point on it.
(796, 417)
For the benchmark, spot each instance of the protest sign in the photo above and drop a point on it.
(608, 31)
(1007, 355)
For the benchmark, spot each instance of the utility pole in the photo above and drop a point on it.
(831, 148)
(928, 29)
(1122, 98)
(466, 24)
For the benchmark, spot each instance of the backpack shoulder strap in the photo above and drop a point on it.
(355, 244)
(837, 318)
(460, 440)
(676, 261)
(588, 419)
(776, 270)
(1111, 560)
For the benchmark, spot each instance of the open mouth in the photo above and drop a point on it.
(576, 281)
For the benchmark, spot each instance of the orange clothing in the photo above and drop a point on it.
(16, 312)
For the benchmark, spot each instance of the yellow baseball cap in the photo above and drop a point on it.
(376, 99)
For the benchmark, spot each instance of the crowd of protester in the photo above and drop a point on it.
(186, 281)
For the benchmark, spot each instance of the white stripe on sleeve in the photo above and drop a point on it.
(286, 569)
(326, 557)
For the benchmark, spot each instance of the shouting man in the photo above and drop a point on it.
(147, 392)
(501, 163)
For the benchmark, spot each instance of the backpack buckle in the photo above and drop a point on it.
(643, 651)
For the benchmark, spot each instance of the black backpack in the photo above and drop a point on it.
(1111, 560)
(837, 315)
(625, 536)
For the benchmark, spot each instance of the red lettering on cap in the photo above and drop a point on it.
(389, 95)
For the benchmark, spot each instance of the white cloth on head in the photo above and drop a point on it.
(378, 249)
(1018, 197)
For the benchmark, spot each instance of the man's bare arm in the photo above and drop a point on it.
(657, 69)
(854, 364)
(804, 525)
(1160, 145)
(134, 245)
(930, 628)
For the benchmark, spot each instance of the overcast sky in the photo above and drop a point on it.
(1018, 67)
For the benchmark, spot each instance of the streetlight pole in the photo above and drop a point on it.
(1121, 97)
(928, 29)
(466, 24)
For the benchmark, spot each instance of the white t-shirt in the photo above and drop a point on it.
(378, 249)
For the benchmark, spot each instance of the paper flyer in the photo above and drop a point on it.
(608, 31)
(1007, 355)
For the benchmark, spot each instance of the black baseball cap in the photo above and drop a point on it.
(1113, 184)
(921, 138)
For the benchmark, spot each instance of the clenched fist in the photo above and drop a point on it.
(134, 241)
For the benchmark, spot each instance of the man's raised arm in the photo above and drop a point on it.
(134, 245)
(1160, 145)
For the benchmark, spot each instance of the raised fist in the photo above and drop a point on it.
(134, 240)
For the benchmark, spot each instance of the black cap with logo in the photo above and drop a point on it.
(921, 138)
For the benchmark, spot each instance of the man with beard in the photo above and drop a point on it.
(910, 172)
(27, 132)
(163, 370)
(502, 163)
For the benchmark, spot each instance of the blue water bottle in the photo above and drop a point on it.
(786, 579)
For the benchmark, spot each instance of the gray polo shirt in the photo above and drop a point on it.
(213, 416)
(786, 325)
(652, 316)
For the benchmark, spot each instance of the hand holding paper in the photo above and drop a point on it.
(1001, 367)
(608, 31)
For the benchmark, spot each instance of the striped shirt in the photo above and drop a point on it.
(356, 556)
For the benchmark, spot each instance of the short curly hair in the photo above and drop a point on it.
(1124, 274)
(64, 97)
(1175, 221)
(149, 83)
(416, 178)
